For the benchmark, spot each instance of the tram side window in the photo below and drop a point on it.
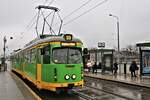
(32, 56)
(46, 54)
(18, 58)
(15, 58)
(38, 56)
(28, 56)
(25, 57)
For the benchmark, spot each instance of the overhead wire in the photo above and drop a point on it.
(51, 2)
(77, 9)
(33, 21)
(86, 12)
(45, 2)
(84, 4)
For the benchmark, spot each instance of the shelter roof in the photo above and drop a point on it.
(146, 44)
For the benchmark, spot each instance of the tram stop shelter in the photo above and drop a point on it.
(144, 51)
(103, 57)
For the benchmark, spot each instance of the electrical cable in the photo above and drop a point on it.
(51, 2)
(86, 12)
(77, 9)
(45, 2)
(84, 4)
(37, 22)
(32, 21)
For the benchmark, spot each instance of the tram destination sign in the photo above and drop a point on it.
(101, 44)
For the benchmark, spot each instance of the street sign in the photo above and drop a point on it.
(101, 44)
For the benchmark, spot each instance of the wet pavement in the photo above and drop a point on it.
(12, 89)
(127, 92)
(100, 95)
(8, 88)
(137, 88)
(143, 81)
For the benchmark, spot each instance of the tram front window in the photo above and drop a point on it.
(67, 56)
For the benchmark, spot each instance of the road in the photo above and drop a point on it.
(96, 89)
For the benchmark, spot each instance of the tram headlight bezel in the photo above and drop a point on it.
(73, 76)
(67, 77)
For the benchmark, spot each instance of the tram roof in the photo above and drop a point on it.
(49, 38)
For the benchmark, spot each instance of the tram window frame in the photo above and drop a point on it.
(25, 57)
(28, 56)
(38, 56)
(17, 57)
(23, 54)
(67, 60)
(32, 56)
(46, 57)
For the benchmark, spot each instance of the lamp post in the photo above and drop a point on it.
(118, 38)
(4, 58)
(117, 18)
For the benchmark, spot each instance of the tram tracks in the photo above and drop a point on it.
(108, 92)
(83, 95)
(94, 93)
(89, 92)
(107, 87)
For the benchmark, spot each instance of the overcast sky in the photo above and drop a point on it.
(93, 27)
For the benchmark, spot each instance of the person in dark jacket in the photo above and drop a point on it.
(115, 68)
(132, 69)
(99, 65)
(95, 68)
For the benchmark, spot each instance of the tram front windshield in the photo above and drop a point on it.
(67, 56)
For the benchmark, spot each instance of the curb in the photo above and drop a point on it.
(120, 81)
(29, 89)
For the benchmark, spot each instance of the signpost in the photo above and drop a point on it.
(144, 58)
(101, 44)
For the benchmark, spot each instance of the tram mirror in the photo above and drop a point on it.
(42, 51)
(85, 51)
(11, 37)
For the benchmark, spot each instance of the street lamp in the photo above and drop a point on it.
(117, 30)
(4, 58)
(117, 18)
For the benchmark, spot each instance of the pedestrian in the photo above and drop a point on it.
(132, 68)
(95, 68)
(103, 66)
(115, 68)
(99, 66)
(89, 65)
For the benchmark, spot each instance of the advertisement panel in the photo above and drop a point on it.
(146, 62)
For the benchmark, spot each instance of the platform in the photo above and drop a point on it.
(126, 79)
(12, 88)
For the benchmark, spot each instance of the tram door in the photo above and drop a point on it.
(108, 61)
(45, 54)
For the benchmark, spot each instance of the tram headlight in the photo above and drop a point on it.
(73, 76)
(67, 77)
(82, 75)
